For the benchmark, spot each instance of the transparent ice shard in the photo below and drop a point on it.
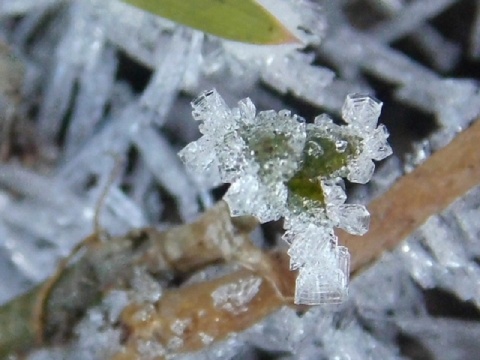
(232, 155)
(360, 170)
(166, 81)
(444, 54)
(140, 34)
(79, 45)
(361, 111)
(323, 265)
(376, 145)
(309, 245)
(194, 61)
(334, 190)
(211, 108)
(329, 286)
(353, 218)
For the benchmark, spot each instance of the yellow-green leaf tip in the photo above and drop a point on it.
(239, 20)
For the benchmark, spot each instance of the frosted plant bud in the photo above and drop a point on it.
(279, 166)
(255, 153)
(361, 111)
(275, 141)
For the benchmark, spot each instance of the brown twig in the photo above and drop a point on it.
(205, 320)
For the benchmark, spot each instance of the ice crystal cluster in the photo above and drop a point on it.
(280, 166)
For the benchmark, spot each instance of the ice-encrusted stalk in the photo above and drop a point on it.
(49, 311)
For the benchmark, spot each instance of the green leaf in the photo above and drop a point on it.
(239, 20)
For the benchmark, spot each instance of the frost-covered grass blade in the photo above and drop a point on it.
(244, 21)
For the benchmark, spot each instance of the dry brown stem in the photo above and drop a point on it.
(206, 322)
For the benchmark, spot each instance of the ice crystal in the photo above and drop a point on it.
(235, 297)
(279, 166)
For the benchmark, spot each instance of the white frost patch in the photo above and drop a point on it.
(145, 288)
(235, 297)
(178, 327)
(206, 339)
(175, 343)
(150, 350)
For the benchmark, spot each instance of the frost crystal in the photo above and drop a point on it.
(279, 166)
(235, 297)
(256, 154)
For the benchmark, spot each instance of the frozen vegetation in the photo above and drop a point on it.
(279, 166)
(107, 89)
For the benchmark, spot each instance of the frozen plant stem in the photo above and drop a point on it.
(280, 166)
